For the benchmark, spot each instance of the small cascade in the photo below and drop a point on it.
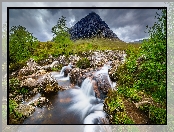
(87, 87)
(104, 70)
(113, 84)
(32, 99)
(81, 103)
(65, 78)
(62, 71)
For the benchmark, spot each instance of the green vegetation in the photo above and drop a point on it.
(62, 37)
(14, 84)
(21, 44)
(15, 116)
(22, 90)
(158, 115)
(142, 75)
(144, 72)
(83, 63)
(102, 44)
(12, 106)
(115, 108)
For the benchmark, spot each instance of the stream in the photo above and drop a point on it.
(76, 105)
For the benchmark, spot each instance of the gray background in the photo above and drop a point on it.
(65, 128)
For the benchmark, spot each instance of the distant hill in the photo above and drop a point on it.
(91, 26)
(139, 41)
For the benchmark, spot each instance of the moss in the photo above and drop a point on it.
(83, 63)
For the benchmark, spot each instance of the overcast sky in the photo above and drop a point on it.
(128, 24)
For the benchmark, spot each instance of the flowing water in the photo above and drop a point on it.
(76, 105)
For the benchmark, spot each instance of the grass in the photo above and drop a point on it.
(102, 44)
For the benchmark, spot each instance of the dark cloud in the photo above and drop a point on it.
(128, 24)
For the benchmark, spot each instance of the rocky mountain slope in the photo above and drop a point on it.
(91, 26)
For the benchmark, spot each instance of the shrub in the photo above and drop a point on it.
(158, 115)
(12, 106)
(62, 37)
(21, 44)
(114, 107)
(145, 70)
(83, 63)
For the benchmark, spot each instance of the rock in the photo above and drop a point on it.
(141, 59)
(49, 84)
(101, 85)
(39, 102)
(29, 82)
(112, 72)
(54, 64)
(25, 110)
(145, 101)
(18, 98)
(74, 75)
(31, 68)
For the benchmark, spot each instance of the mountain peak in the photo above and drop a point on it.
(91, 26)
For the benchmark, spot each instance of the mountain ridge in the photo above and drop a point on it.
(91, 26)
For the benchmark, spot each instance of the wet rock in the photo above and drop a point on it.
(74, 75)
(40, 72)
(40, 102)
(18, 98)
(31, 68)
(29, 82)
(49, 84)
(25, 110)
(101, 85)
(112, 72)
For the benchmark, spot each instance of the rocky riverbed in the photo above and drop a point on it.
(68, 90)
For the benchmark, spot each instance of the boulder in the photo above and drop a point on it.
(31, 68)
(48, 84)
(25, 110)
(29, 82)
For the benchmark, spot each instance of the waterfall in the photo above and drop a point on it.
(65, 78)
(87, 87)
(63, 69)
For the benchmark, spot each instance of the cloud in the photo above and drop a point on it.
(128, 24)
(130, 33)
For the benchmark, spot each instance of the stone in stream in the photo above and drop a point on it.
(25, 110)
(29, 82)
(39, 102)
(101, 85)
(49, 84)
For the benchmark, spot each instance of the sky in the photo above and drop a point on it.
(128, 24)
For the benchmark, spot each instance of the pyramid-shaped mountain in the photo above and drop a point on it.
(91, 26)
